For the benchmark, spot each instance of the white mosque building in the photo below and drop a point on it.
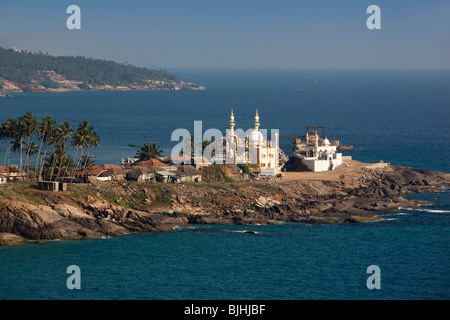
(252, 148)
(318, 156)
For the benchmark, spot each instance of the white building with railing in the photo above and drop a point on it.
(319, 157)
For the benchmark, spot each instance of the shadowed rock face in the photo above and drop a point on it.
(68, 222)
(60, 222)
(68, 216)
(7, 239)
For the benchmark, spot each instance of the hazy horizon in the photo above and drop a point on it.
(263, 34)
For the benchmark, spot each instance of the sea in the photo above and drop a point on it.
(399, 116)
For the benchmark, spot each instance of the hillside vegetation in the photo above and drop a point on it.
(24, 68)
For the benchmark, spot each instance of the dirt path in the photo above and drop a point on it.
(346, 171)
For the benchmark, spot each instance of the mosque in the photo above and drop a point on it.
(252, 148)
(317, 154)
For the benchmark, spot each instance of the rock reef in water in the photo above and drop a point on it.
(90, 211)
(7, 239)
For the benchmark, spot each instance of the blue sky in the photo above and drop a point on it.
(236, 34)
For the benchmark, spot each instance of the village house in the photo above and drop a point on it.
(188, 173)
(180, 159)
(12, 173)
(197, 162)
(166, 176)
(53, 186)
(141, 174)
(91, 174)
(152, 170)
(152, 163)
(114, 174)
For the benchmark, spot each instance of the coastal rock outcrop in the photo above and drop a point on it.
(139, 221)
(89, 211)
(8, 86)
(42, 222)
(9, 239)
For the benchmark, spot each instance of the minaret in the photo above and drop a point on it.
(231, 141)
(258, 146)
(232, 123)
(256, 121)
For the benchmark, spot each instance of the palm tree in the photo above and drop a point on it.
(60, 137)
(148, 151)
(32, 149)
(17, 144)
(18, 136)
(7, 132)
(87, 161)
(205, 143)
(46, 130)
(80, 140)
(3, 139)
(94, 142)
(58, 159)
(30, 126)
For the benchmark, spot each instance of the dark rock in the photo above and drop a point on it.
(7, 239)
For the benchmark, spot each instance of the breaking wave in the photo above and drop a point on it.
(427, 210)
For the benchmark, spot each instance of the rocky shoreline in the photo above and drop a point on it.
(91, 211)
(71, 85)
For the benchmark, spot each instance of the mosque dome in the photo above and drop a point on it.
(326, 142)
(255, 136)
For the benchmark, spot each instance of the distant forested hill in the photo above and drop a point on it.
(26, 68)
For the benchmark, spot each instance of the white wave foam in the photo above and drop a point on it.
(277, 221)
(435, 211)
(182, 227)
(246, 231)
(427, 210)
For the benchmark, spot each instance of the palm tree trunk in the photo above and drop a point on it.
(28, 155)
(3, 142)
(76, 166)
(54, 163)
(37, 157)
(41, 165)
(21, 153)
(71, 160)
(54, 158)
(85, 162)
(6, 153)
(9, 155)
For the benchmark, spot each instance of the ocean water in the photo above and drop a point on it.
(399, 116)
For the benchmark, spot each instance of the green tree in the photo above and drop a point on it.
(7, 133)
(46, 131)
(58, 142)
(149, 151)
(30, 126)
(244, 168)
(85, 137)
(94, 142)
(80, 141)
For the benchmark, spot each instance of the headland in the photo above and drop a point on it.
(24, 71)
(355, 192)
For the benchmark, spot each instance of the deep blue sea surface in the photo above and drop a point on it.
(399, 116)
